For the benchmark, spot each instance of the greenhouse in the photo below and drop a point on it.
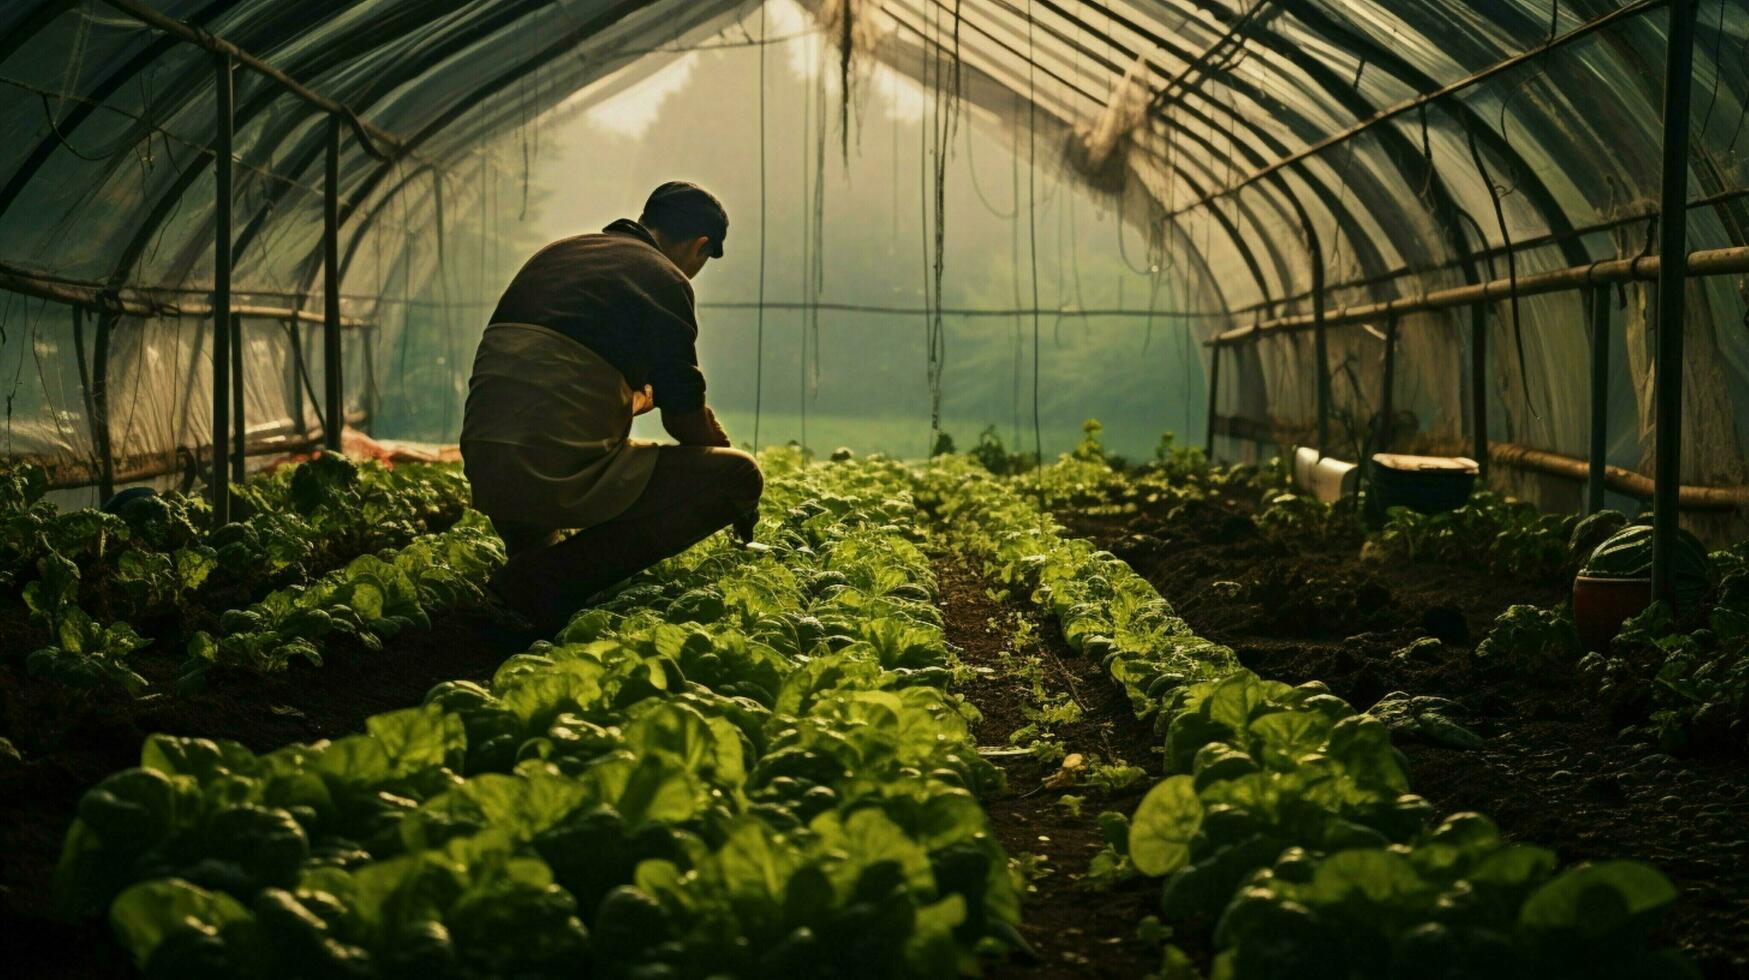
(874, 488)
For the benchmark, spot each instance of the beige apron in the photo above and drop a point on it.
(546, 435)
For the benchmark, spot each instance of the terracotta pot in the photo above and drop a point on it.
(1601, 605)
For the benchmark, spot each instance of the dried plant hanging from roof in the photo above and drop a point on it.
(857, 27)
(1099, 149)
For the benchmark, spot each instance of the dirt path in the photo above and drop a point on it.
(1077, 930)
(1551, 770)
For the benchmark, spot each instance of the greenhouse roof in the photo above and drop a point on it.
(1297, 164)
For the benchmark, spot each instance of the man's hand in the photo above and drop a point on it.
(698, 428)
(643, 400)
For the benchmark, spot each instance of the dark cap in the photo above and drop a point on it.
(684, 206)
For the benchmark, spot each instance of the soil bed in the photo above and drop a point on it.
(69, 745)
(1076, 929)
(1551, 770)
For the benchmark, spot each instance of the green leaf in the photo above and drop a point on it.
(1370, 875)
(1597, 899)
(416, 738)
(1287, 735)
(149, 912)
(1163, 825)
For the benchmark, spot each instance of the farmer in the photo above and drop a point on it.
(594, 330)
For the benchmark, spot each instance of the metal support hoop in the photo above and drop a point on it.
(1479, 385)
(1596, 478)
(333, 392)
(225, 102)
(1672, 295)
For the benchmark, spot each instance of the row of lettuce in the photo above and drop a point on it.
(1674, 677)
(320, 548)
(745, 763)
(1285, 831)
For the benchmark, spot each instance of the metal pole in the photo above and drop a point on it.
(1320, 338)
(1672, 293)
(225, 107)
(1387, 402)
(296, 332)
(1595, 480)
(100, 404)
(369, 135)
(239, 428)
(1728, 261)
(85, 383)
(1208, 446)
(1479, 384)
(367, 341)
(333, 399)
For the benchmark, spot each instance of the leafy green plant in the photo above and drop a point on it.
(1458, 901)
(1305, 521)
(1683, 683)
(106, 584)
(744, 763)
(1270, 788)
(1500, 533)
(1531, 640)
(82, 653)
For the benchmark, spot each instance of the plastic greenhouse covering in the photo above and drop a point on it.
(1279, 157)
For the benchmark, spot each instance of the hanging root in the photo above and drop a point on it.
(846, 55)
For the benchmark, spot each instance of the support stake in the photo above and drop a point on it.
(1594, 481)
(295, 332)
(100, 405)
(225, 101)
(1479, 385)
(1320, 338)
(239, 427)
(1214, 400)
(1387, 397)
(334, 413)
(1672, 294)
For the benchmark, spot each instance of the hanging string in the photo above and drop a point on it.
(805, 272)
(1014, 264)
(926, 130)
(818, 255)
(978, 185)
(1511, 268)
(1032, 230)
(846, 72)
(759, 330)
(946, 118)
(893, 94)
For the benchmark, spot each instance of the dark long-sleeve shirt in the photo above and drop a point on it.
(618, 295)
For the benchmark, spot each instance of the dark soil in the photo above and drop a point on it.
(1076, 930)
(69, 744)
(1552, 769)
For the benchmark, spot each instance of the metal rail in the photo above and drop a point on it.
(369, 134)
(333, 395)
(1596, 480)
(1425, 98)
(1646, 268)
(73, 474)
(133, 300)
(1672, 297)
(224, 107)
(1516, 457)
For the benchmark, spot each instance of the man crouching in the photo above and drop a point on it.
(592, 331)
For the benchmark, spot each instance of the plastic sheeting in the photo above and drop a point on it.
(1257, 124)
(1263, 120)
(106, 179)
